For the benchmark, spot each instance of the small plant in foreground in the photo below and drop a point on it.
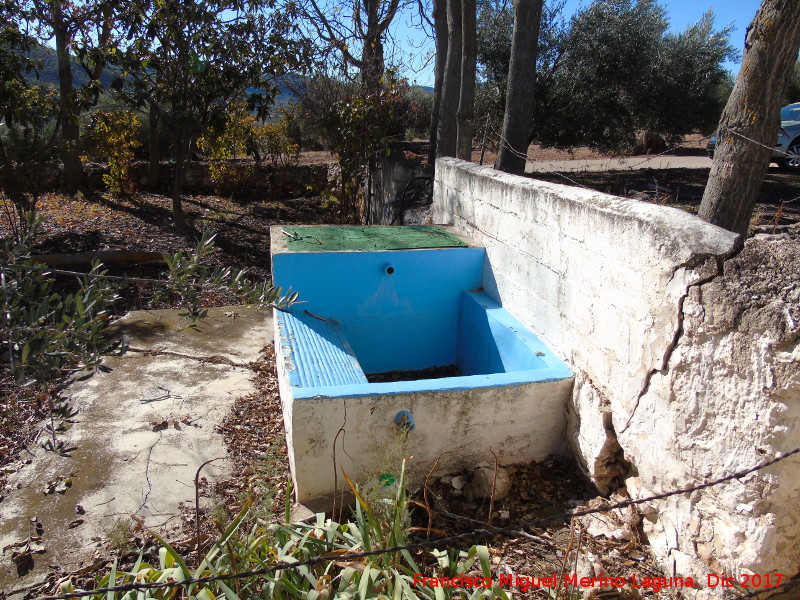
(49, 336)
(389, 575)
(188, 277)
(119, 535)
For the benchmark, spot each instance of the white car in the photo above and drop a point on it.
(787, 149)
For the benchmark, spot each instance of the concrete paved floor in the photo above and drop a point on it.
(141, 434)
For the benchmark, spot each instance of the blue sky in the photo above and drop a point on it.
(681, 13)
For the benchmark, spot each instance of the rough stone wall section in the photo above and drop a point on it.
(287, 181)
(729, 399)
(616, 286)
(390, 181)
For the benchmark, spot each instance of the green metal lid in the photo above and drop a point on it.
(353, 238)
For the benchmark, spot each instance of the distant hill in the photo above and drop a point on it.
(48, 71)
(288, 85)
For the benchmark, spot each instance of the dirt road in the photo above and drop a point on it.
(618, 164)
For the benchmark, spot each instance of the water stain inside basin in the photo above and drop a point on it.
(429, 373)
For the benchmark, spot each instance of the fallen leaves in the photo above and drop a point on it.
(254, 436)
(59, 485)
(22, 552)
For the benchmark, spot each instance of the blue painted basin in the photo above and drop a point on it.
(367, 312)
(376, 312)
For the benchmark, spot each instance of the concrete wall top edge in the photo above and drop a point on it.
(678, 233)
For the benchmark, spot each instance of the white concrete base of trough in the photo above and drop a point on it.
(459, 428)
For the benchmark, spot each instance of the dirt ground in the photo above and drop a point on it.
(691, 144)
(536, 152)
(777, 204)
(77, 223)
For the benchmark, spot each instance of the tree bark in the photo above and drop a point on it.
(372, 60)
(183, 154)
(155, 149)
(446, 141)
(70, 127)
(518, 118)
(751, 118)
(440, 31)
(466, 103)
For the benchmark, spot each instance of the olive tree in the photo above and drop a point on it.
(622, 71)
(495, 33)
(189, 61)
(613, 70)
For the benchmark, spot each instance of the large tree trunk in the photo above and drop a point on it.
(446, 141)
(70, 127)
(751, 119)
(155, 149)
(372, 62)
(518, 118)
(466, 102)
(183, 154)
(440, 31)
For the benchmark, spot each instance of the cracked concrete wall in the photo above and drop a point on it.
(609, 284)
(728, 399)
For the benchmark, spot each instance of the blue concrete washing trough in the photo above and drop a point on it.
(404, 336)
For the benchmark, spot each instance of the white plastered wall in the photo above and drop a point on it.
(615, 287)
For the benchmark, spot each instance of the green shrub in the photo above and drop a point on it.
(419, 118)
(50, 335)
(228, 140)
(188, 277)
(117, 136)
(273, 142)
(28, 147)
(240, 135)
(359, 126)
